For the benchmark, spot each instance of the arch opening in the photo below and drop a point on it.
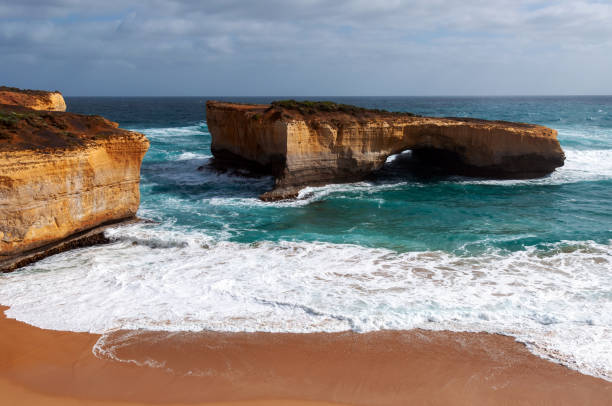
(423, 164)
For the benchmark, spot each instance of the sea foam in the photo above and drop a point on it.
(580, 166)
(556, 298)
(157, 277)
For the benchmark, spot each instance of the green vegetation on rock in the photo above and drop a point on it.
(9, 119)
(25, 91)
(312, 107)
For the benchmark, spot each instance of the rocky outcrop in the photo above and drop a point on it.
(33, 99)
(309, 143)
(62, 177)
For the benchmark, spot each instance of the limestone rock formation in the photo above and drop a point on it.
(33, 99)
(316, 143)
(62, 177)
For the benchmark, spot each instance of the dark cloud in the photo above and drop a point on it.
(307, 47)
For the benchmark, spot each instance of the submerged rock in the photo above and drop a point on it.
(33, 99)
(63, 177)
(316, 143)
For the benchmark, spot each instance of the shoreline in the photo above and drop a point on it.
(46, 367)
(86, 238)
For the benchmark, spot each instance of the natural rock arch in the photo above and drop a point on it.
(309, 144)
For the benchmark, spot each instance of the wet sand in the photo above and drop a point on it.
(43, 367)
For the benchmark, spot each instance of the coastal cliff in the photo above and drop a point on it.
(62, 177)
(32, 99)
(316, 143)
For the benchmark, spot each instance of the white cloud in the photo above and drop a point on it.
(344, 46)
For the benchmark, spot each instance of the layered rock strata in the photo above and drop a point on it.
(62, 177)
(309, 144)
(33, 99)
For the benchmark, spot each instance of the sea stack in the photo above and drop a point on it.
(63, 177)
(316, 143)
(32, 99)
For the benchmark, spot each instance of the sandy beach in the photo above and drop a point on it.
(46, 367)
(306, 203)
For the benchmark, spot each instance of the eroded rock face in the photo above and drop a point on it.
(309, 147)
(62, 174)
(33, 99)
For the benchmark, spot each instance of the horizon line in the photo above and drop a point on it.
(353, 96)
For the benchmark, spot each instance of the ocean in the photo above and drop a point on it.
(527, 258)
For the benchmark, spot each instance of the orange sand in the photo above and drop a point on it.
(42, 367)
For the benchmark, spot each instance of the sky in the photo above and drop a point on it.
(307, 47)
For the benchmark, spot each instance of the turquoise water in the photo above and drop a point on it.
(395, 210)
(528, 258)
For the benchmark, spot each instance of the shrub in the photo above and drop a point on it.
(312, 107)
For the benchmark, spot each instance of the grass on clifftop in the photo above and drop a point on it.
(25, 91)
(14, 120)
(312, 107)
(10, 119)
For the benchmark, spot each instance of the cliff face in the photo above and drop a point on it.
(314, 144)
(33, 99)
(62, 174)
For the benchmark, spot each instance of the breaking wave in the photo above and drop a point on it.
(154, 278)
